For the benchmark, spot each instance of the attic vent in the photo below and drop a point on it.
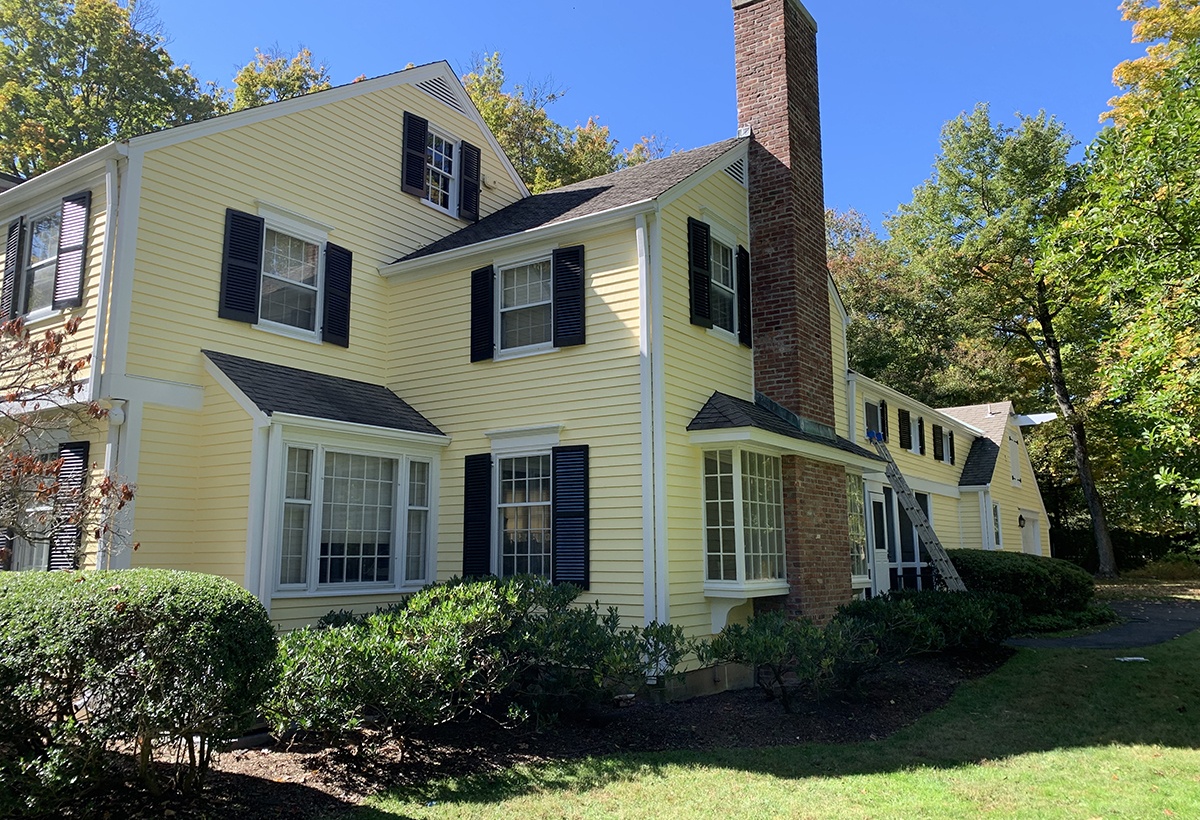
(737, 170)
(439, 89)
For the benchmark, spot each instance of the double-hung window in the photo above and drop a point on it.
(437, 168)
(743, 519)
(440, 169)
(280, 272)
(524, 505)
(354, 519)
(719, 280)
(44, 259)
(997, 535)
(526, 305)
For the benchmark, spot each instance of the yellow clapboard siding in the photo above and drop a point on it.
(837, 334)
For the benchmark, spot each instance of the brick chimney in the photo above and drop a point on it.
(776, 53)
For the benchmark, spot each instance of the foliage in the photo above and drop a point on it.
(545, 154)
(1137, 236)
(1174, 566)
(42, 395)
(272, 77)
(1045, 586)
(171, 663)
(517, 647)
(910, 622)
(1170, 26)
(77, 75)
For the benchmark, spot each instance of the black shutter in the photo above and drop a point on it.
(339, 263)
(477, 516)
(569, 516)
(883, 419)
(904, 419)
(412, 172)
(569, 319)
(483, 314)
(241, 267)
(72, 475)
(921, 434)
(939, 451)
(951, 437)
(72, 247)
(468, 183)
(700, 272)
(12, 270)
(743, 296)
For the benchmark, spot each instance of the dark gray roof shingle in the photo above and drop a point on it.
(277, 389)
(723, 412)
(992, 419)
(592, 196)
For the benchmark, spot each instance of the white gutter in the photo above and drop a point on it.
(645, 352)
(47, 183)
(112, 190)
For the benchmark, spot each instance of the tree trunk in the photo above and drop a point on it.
(1087, 483)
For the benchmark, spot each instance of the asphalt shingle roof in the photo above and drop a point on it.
(637, 184)
(722, 412)
(992, 419)
(277, 389)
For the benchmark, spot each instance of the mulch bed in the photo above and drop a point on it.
(300, 780)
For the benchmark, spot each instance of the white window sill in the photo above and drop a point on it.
(750, 589)
(723, 334)
(349, 591)
(290, 332)
(523, 352)
(439, 208)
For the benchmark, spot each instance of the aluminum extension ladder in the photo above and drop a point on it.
(937, 553)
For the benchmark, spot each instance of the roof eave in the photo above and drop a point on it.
(499, 243)
(782, 444)
(57, 179)
(892, 392)
(363, 430)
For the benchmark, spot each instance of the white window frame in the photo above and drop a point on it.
(914, 430)
(296, 226)
(451, 208)
(498, 529)
(720, 235)
(501, 266)
(24, 279)
(740, 586)
(946, 439)
(997, 528)
(867, 404)
(403, 454)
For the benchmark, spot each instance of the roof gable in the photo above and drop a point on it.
(992, 420)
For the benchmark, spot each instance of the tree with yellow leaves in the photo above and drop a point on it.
(1169, 26)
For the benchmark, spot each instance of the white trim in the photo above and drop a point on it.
(360, 431)
(112, 195)
(658, 412)
(645, 392)
(923, 485)
(538, 437)
(499, 267)
(178, 395)
(127, 459)
(263, 482)
(716, 165)
(293, 223)
(116, 361)
(60, 178)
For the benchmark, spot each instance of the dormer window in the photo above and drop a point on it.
(440, 169)
(719, 281)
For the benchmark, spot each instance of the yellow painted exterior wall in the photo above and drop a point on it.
(970, 525)
(698, 362)
(337, 164)
(1012, 497)
(165, 520)
(591, 390)
(80, 343)
(223, 491)
(837, 334)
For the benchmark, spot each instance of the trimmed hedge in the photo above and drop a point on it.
(1045, 586)
(170, 662)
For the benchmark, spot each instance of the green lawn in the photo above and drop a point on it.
(1055, 733)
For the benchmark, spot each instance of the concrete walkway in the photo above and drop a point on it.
(1146, 623)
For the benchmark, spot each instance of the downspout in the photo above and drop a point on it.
(645, 351)
(658, 405)
(104, 295)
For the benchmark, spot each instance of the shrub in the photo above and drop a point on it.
(898, 628)
(965, 620)
(1045, 586)
(1174, 566)
(170, 662)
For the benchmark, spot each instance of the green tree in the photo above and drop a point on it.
(1168, 26)
(976, 226)
(272, 76)
(545, 154)
(77, 75)
(1137, 236)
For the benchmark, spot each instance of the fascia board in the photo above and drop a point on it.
(360, 430)
(493, 246)
(59, 179)
(784, 445)
(893, 394)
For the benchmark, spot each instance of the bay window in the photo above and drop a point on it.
(743, 520)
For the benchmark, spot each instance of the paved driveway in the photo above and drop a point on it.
(1147, 623)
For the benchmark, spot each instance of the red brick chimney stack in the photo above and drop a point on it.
(776, 53)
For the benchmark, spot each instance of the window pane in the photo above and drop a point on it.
(439, 170)
(720, 534)
(289, 282)
(43, 238)
(762, 516)
(290, 258)
(858, 525)
(524, 513)
(526, 315)
(356, 519)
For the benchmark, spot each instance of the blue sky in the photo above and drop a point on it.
(892, 71)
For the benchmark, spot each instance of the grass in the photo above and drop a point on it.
(1054, 733)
